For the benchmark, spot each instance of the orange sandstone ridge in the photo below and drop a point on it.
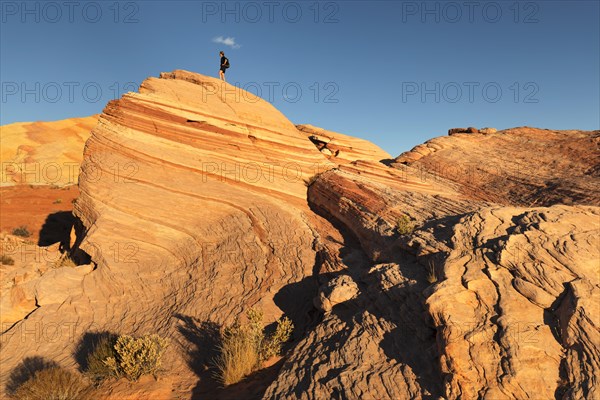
(44, 153)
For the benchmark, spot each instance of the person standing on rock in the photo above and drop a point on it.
(224, 65)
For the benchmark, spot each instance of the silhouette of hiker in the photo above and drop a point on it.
(224, 65)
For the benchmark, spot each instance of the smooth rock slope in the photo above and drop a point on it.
(43, 153)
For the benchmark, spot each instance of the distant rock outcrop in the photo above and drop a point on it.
(486, 131)
(470, 129)
(519, 166)
(44, 153)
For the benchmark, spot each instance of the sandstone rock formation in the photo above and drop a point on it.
(44, 153)
(337, 291)
(37, 276)
(519, 166)
(198, 200)
(488, 130)
(194, 208)
(40, 164)
(343, 148)
(454, 131)
(491, 324)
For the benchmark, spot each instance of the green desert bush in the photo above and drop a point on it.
(135, 357)
(244, 347)
(6, 260)
(404, 225)
(21, 231)
(283, 332)
(54, 383)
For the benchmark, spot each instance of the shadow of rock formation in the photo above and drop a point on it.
(57, 229)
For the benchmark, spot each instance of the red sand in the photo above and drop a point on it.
(30, 206)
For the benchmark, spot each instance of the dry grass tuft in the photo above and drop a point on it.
(244, 347)
(104, 348)
(65, 261)
(56, 384)
(431, 273)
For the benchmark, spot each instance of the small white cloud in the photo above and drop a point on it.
(228, 41)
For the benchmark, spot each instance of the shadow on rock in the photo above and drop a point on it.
(296, 302)
(253, 387)
(411, 342)
(201, 347)
(387, 161)
(203, 339)
(26, 370)
(87, 344)
(57, 229)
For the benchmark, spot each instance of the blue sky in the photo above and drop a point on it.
(393, 72)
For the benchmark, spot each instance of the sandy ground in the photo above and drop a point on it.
(39, 208)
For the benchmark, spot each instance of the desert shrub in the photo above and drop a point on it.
(256, 328)
(283, 333)
(244, 347)
(238, 354)
(21, 231)
(404, 225)
(137, 356)
(54, 383)
(6, 260)
(103, 349)
(65, 261)
(57, 201)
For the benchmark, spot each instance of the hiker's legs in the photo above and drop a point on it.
(222, 75)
